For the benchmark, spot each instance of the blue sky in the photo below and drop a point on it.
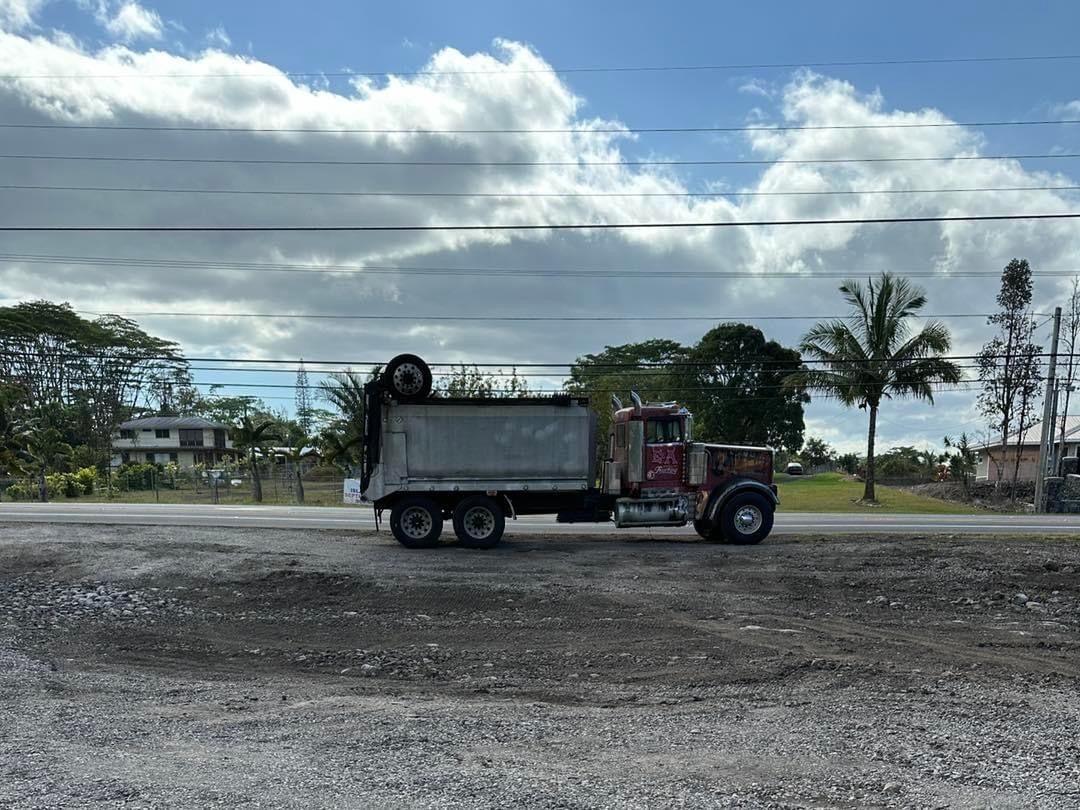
(84, 37)
(324, 35)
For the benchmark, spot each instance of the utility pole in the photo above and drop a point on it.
(1047, 433)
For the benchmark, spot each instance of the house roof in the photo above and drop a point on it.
(1033, 434)
(172, 422)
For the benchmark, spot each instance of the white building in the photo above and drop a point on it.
(183, 440)
(990, 455)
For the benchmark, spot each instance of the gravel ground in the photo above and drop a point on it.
(181, 667)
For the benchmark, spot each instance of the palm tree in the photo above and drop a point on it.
(340, 446)
(294, 457)
(340, 441)
(875, 354)
(251, 436)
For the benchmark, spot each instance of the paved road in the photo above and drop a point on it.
(348, 517)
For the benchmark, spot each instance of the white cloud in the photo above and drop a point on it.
(758, 87)
(16, 15)
(508, 97)
(130, 22)
(218, 38)
(1069, 108)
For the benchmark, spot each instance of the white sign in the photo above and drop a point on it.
(351, 490)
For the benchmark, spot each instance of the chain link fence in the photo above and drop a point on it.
(150, 483)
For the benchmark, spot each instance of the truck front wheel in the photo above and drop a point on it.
(746, 519)
(416, 522)
(479, 522)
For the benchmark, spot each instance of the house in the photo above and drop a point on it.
(183, 440)
(990, 455)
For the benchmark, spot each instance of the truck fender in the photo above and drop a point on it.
(513, 513)
(723, 492)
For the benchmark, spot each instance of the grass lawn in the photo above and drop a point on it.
(828, 492)
(833, 492)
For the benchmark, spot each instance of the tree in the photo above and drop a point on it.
(1009, 368)
(909, 462)
(252, 437)
(46, 451)
(734, 385)
(294, 457)
(13, 456)
(304, 413)
(816, 452)
(649, 367)
(465, 381)
(962, 461)
(84, 377)
(229, 409)
(471, 382)
(849, 463)
(341, 438)
(875, 354)
(1070, 338)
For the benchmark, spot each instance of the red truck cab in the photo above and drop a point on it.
(727, 490)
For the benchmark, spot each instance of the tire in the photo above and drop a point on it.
(479, 522)
(416, 522)
(407, 378)
(746, 519)
(704, 528)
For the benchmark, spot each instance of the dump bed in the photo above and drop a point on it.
(483, 444)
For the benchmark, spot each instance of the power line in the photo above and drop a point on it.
(540, 131)
(530, 194)
(963, 385)
(557, 226)
(586, 364)
(549, 70)
(524, 163)
(509, 369)
(496, 318)
(194, 264)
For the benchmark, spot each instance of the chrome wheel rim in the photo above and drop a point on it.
(748, 519)
(478, 523)
(416, 522)
(408, 379)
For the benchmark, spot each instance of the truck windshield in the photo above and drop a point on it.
(663, 431)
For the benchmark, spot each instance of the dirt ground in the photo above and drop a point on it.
(177, 667)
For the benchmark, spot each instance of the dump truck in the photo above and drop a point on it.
(479, 462)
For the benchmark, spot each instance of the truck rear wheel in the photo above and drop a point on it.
(416, 522)
(479, 522)
(746, 519)
(408, 378)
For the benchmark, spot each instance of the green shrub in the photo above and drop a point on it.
(23, 491)
(62, 484)
(86, 479)
(135, 476)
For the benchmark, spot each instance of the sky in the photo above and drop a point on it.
(487, 65)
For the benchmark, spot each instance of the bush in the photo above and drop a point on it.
(65, 484)
(70, 485)
(25, 491)
(87, 480)
(135, 476)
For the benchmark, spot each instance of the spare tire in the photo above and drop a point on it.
(407, 378)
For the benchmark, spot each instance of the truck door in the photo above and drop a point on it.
(664, 453)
